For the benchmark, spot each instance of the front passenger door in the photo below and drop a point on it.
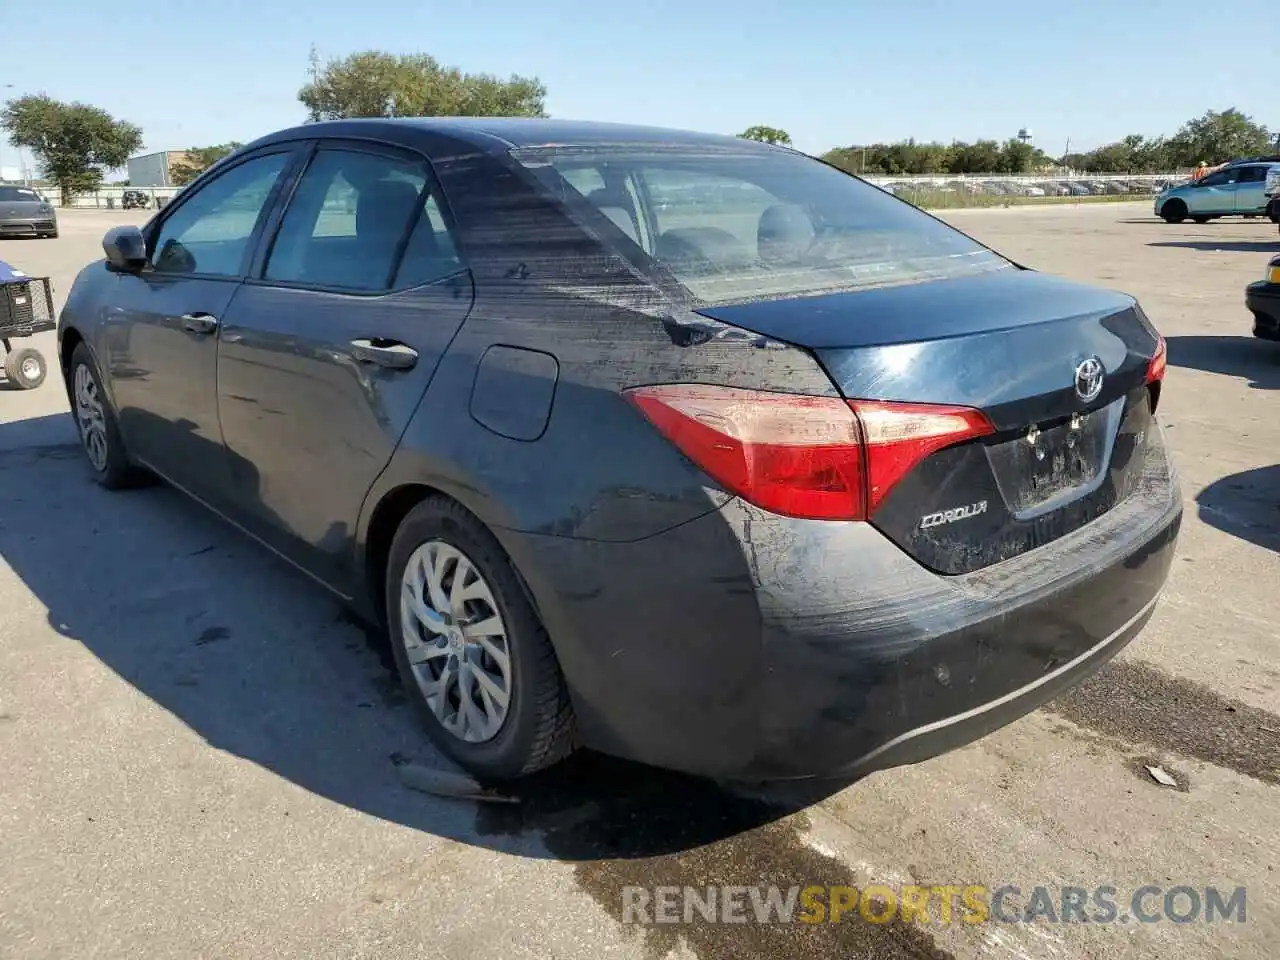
(1216, 194)
(162, 341)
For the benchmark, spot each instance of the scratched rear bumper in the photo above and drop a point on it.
(744, 645)
(875, 662)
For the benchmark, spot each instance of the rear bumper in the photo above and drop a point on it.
(744, 645)
(1263, 301)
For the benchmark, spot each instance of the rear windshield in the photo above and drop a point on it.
(15, 194)
(734, 225)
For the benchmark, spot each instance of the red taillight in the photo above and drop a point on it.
(900, 435)
(814, 457)
(1159, 360)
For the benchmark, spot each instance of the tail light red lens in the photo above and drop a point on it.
(814, 457)
(899, 435)
(1159, 360)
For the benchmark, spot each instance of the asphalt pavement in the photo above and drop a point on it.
(202, 754)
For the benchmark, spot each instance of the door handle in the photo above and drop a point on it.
(385, 353)
(199, 323)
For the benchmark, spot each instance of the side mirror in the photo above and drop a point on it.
(126, 249)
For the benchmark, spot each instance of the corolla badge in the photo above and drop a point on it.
(952, 515)
(1089, 375)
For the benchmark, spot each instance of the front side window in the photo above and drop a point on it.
(210, 233)
(734, 225)
(353, 217)
(1221, 179)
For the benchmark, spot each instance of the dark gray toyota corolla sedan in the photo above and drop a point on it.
(685, 448)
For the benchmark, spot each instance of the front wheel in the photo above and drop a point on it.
(96, 424)
(471, 651)
(25, 368)
(1175, 211)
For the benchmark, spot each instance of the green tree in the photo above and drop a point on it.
(198, 160)
(74, 143)
(377, 84)
(1219, 137)
(1016, 157)
(766, 135)
(982, 156)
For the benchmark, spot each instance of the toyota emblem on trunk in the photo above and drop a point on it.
(1089, 379)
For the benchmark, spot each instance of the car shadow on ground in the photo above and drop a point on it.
(1246, 505)
(1222, 246)
(262, 663)
(1248, 357)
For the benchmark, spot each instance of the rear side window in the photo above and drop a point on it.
(1253, 175)
(431, 253)
(351, 219)
(734, 225)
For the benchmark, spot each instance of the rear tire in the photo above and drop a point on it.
(96, 423)
(439, 549)
(1175, 211)
(25, 368)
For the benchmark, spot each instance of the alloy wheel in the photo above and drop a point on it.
(456, 641)
(90, 418)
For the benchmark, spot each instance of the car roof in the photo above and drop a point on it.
(504, 133)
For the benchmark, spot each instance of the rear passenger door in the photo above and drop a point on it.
(332, 342)
(1250, 190)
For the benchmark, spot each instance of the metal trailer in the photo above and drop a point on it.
(26, 308)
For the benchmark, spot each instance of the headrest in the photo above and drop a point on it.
(785, 233)
(385, 207)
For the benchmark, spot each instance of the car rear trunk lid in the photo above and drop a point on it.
(1058, 368)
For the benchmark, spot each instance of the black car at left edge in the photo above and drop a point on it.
(1262, 297)
(689, 449)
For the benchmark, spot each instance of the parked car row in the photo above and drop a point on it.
(1141, 186)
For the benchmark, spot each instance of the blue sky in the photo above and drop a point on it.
(831, 72)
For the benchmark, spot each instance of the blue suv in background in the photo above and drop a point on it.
(1238, 189)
